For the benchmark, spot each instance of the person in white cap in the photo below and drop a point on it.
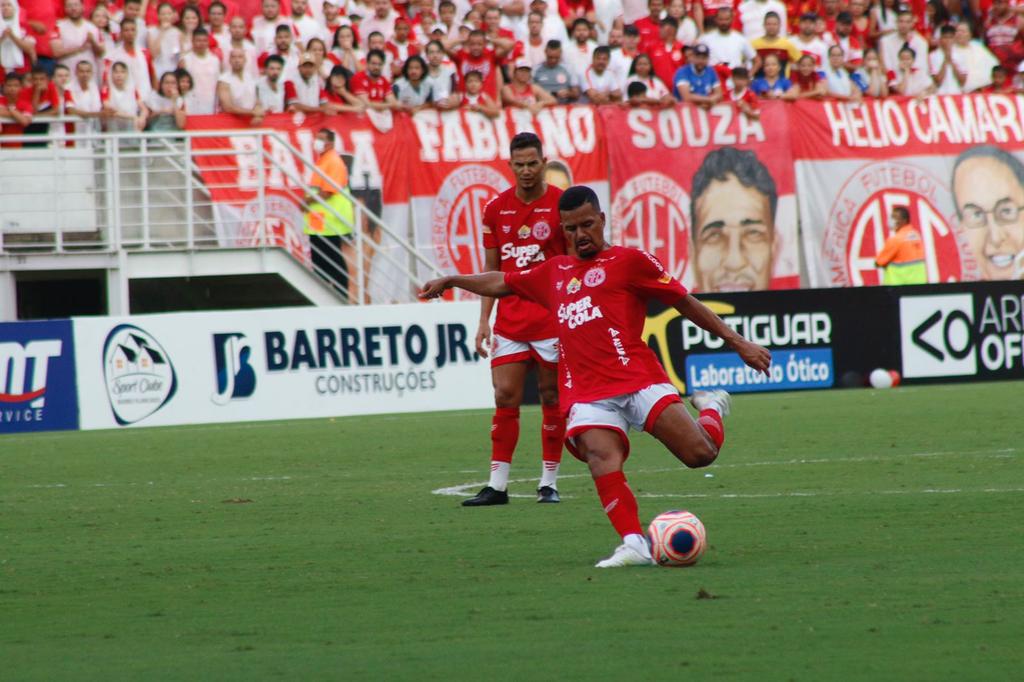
(304, 93)
(522, 92)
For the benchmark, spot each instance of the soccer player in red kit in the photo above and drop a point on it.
(610, 379)
(521, 231)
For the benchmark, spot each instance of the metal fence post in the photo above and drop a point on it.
(261, 191)
(144, 170)
(189, 218)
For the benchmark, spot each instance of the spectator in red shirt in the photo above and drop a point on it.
(807, 82)
(1002, 34)
(9, 109)
(371, 86)
(741, 95)
(39, 99)
(41, 20)
(475, 99)
(650, 26)
(477, 56)
(1001, 82)
(571, 10)
(667, 53)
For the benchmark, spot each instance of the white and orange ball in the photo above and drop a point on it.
(884, 378)
(677, 538)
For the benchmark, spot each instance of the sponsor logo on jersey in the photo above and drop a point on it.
(558, 284)
(595, 277)
(522, 255)
(620, 350)
(541, 231)
(506, 212)
(524, 231)
(579, 312)
(573, 286)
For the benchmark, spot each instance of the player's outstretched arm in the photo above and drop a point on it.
(758, 357)
(484, 284)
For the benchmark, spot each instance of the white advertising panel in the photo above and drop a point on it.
(290, 363)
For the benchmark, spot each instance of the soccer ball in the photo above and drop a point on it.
(677, 538)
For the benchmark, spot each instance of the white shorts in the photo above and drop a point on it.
(638, 410)
(504, 351)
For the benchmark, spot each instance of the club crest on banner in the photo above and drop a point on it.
(457, 216)
(139, 374)
(650, 211)
(857, 224)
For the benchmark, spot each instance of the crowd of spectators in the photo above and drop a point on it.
(137, 64)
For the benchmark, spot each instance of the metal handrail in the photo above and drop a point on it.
(109, 148)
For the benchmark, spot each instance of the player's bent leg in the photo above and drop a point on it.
(689, 441)
(507, 379)
(552, 433)
(605, 451)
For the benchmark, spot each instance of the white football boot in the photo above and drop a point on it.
(634, 551)
(717, 400)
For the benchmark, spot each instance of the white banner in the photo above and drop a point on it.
(290, 363)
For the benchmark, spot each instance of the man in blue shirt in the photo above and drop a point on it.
(695, 82)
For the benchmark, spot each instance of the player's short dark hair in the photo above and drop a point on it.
(274, 59)
(743, 164)
(741, 72)
(987, 152)
(40, 69)
(603, 49)
(328, 133)
(526, 141)
(577, 196)
(903, 212)
(553, 45)
(283, 28)
(372, 34)
(772, 15)
(947, 30)
(636, 89)
(579, 21)
(376, 53)
(631, 30)
(844, 17)
(669, 21)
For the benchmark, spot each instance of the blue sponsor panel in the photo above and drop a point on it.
(793, 368)
(37, 377)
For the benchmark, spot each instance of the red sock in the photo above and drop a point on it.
(504, 433)
(552, 433)
(619, 503)
(711, 422)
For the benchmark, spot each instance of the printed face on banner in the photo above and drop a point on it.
(858, 223)
(988, 187)
(734, 230)
(457, 217)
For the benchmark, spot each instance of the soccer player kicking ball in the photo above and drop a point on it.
(520, 230)
(611, 379)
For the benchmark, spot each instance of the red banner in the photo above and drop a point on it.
(463, 163)
(710, 192)
(944, 158)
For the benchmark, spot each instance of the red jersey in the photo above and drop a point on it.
(649, 30)
(601, 306)
(487, 64)
(666, 59)
(375, 89)
(525, 235)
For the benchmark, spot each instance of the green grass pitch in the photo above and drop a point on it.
(854, 535)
